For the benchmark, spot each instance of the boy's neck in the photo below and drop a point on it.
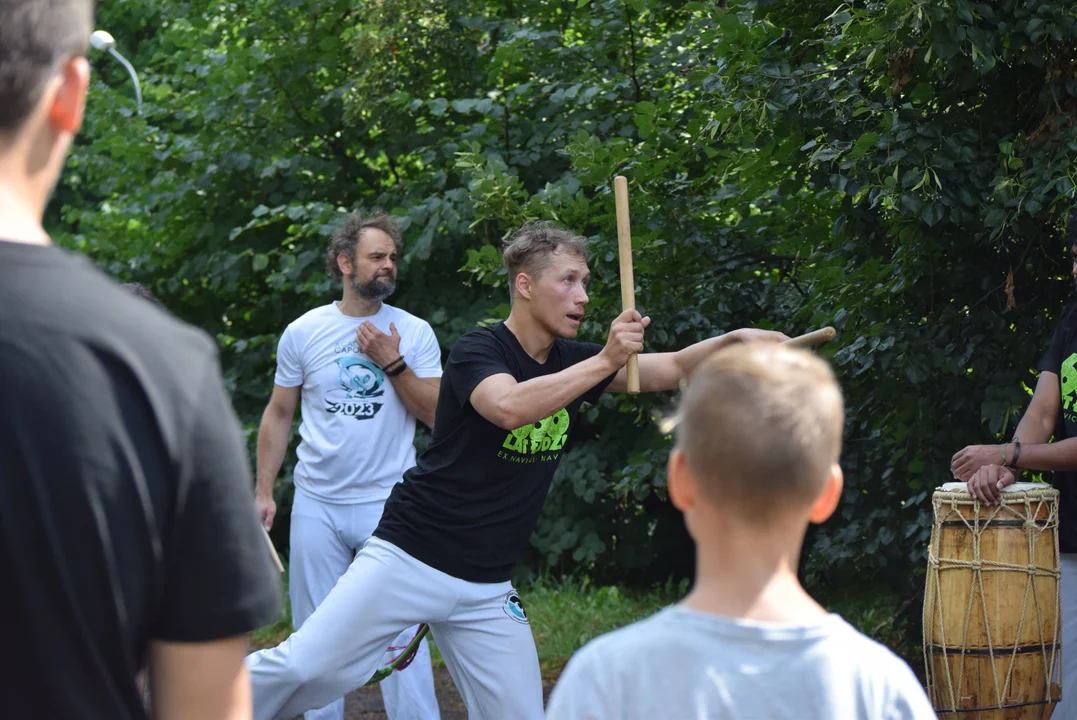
(746, 574)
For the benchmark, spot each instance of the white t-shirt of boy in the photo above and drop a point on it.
(681, 664)
(357, 437)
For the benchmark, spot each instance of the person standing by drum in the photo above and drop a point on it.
(987, 469)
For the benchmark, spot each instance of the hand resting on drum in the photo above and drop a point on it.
(973, 457)
(986, 484)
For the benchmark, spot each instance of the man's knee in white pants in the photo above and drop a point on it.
(491, 655)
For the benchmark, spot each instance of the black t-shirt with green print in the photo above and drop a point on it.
(1061, 359)
(473, 499)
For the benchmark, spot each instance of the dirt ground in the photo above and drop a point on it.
(366, 704)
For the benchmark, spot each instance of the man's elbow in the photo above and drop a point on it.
(507, 416)
(427, 419)
(276, 415)
(1046, 424)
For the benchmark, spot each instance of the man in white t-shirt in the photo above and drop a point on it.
(364, 371)
(756, 461)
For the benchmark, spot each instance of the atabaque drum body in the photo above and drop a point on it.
(992, 626)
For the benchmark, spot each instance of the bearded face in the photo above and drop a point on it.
(373, 274)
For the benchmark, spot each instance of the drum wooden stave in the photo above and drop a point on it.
(992, 628)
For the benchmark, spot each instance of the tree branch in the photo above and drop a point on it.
(280, 86)
(505, 108)
(632, 46)
(392, 168)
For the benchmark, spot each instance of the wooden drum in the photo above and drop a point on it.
(992, 628)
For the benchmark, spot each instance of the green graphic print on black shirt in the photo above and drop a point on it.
(1061, 359)
(473, 499)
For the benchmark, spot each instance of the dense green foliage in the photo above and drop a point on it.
(897, 168)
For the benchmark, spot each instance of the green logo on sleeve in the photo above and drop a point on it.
(1069, 381)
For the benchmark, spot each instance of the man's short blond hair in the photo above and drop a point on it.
(531, 249)
(760, 424)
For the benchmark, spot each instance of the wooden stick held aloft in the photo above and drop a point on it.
(624, 252)
(815, 337)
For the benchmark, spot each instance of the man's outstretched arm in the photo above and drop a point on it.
(980, 466)
(665, 371)
(1035, 429)
(510, 404)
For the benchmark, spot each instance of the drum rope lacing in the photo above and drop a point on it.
(1033, 530)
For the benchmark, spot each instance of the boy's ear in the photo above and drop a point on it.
(829, 497)
(680, 482)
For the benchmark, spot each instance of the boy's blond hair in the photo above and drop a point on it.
(760, 424)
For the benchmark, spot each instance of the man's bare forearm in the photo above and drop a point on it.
(538, 398)
(1061, 455)
(688, 358)
(419, 395)
(273, 436)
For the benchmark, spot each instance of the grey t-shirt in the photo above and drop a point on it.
(681, 664)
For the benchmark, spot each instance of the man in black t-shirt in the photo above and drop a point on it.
(454, 529)
(128, 531)
(989, 468)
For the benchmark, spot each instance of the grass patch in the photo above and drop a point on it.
(566, 615)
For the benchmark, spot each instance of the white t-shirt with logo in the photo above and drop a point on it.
(357, 435)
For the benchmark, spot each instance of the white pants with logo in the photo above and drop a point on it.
(324, 540)
(480, 629)
(1067, 708)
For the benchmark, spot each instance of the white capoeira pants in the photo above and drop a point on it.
(480, 629)
(324, 540)
(1067, 708)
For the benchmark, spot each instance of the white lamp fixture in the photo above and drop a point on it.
(101, 40)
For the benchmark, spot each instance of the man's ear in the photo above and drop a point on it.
(827, 501)
(344, 264)
(66, 95)
(523, 286)
(680, 481)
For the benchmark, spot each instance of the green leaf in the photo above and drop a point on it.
(438, 106)
(259, 263)
(995, 217)
(932, 213)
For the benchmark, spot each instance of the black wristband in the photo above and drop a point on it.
(399, 368)
(386, 366)
(1016, 453)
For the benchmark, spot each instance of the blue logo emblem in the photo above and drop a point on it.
(360, 382)
(515, 609)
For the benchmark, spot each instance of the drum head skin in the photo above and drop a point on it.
(1016, 487)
